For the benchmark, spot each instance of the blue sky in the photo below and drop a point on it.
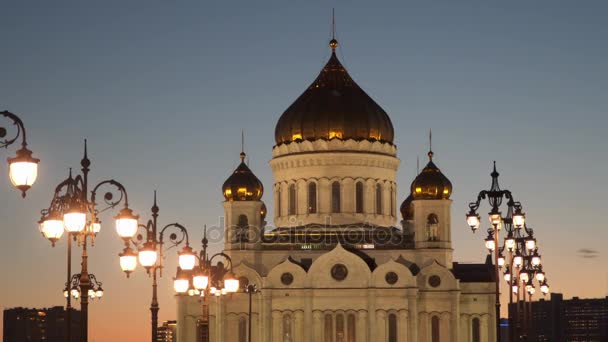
(162, 89)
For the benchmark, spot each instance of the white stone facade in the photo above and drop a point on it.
(336, 294)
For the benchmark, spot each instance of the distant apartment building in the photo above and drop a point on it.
(167, 332)
(34, 325)
(570, 320)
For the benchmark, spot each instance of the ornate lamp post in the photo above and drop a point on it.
(515, 243)
(23, 168)
(150, 255)
(71, 210)
(251, 289)
(206, 280)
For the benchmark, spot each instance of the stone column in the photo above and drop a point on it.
(362, 326)
(402, 331)
(423, 327)
(455, 318)
(412, 303)
(485, 330)
(212, 329)
(464, 328)
(231, 327)
(276, 326)
(317, 325)
(308, 319)
(299, 326)
(445, 330)
(381, 325)
(266, 317)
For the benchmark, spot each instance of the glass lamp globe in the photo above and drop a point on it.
(515, 288)
(75, 293)
(75, 220)
(96, 227)
(180, 285)
(519, 218)
(186, 258)
(501, 261)
(91, 293)
(23, 170)
(66, 293)
(523, 275)
(148, 255)
(52, 227)
(200, 280)
(540, 276)
(126, 223)
(544, 288)
(128, 261)
(518, 260)
(495, 219)
(507, 277)
(490, 244)
(99, 292)
(510, 243)
(530, 243)
(536, 260)
(212, 290)
(231, 284)
(473, 220)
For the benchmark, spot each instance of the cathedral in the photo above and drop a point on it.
(340, 263)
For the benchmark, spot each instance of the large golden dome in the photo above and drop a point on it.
(243, 185)
(334, 107)
(431, 183)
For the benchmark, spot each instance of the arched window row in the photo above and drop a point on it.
(381, 190)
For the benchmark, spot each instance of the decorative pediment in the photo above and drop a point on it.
(286, 274)
(392, 274)
(339, 268)
(436, 277)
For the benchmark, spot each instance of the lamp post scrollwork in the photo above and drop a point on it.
(23, 168)
(72, 211)
(522, 263)
(149, 252)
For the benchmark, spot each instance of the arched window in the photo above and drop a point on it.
(328, 331)
(340, 333)
(378, 199)
(287, 335)
(242, 229)
(350, 324)
(359, 197)
(392, 328)
(432, 226)
(476, 333)
(279, 213)
(335, 197)
(435, 329)
(242, 329)
(292, 199)
(312, 198)
(392, 201)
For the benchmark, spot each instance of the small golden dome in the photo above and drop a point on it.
(431, 184)
(243, 185)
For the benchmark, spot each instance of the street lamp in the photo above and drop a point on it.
(72, 210)
(150, 256)
(206, 279)
(522, 263)
(23, 168)
(251, 289)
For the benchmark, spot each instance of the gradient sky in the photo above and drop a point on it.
(162, 90)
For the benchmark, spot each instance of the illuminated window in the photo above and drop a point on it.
(359, 197)
(432, 226)
(392, 328)
(335, 197)
(296, 136)
(292, 199)
(435, 329)
(335, 134)
(475, 327)
(312, 197)
(379, 199)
